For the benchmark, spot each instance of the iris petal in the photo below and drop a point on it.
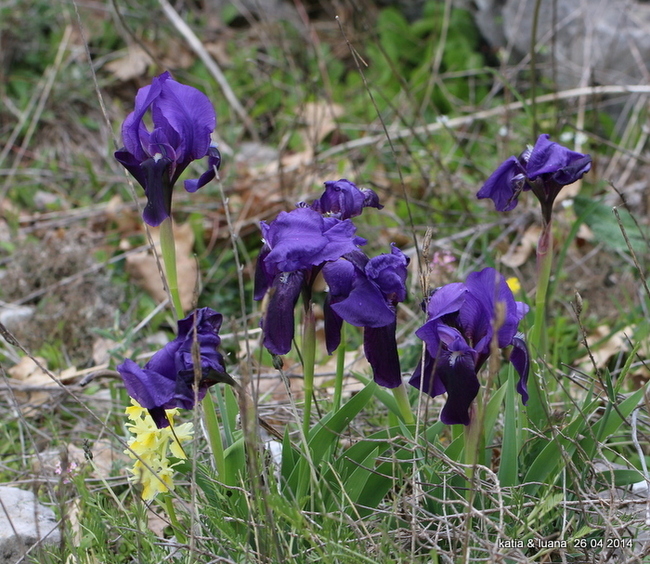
(380, 347)
(520, 359)
(365, 305)
(549, 157)
(333, 324)
(459, 377)
(302, 238)
(500, 185)
(424, 377)
(168, 380)
(158, 189)
(456, 368)
(446, 300)
(214, 161)
(278, 323)
(150, 388)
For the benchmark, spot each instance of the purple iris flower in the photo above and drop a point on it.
(458, 334)
(167, 381)
(365, 292)
(183, 119)
(343, 199)
(545, 169)
(296, 246)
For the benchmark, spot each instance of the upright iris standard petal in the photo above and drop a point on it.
(303, 238)
(458, 335)
(548, 157)
(183, 119)
(365, 292)
(489, 288)
(545, 169)
(168, 380)
(343, 199)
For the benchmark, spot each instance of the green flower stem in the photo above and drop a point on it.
(474, 438)
(536, 402)
(402, 399)
(309, 359)
(171, 513)
(214, 436)
(340, 369)
(168, 251)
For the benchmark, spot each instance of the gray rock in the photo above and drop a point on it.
(23, 523)
(14, 316)
(589, 41)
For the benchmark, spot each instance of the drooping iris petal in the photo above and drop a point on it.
(278, 322)
(380, 348)
(355, 298)
(425, 377)
(214, 162)
(150, 389)
(520, 359)
(183, 119)
(333, 326)
(169, 379)
(462, 387)
(158, 189)
(457, 371)
(501, 186)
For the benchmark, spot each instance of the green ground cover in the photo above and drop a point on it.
(421, 112)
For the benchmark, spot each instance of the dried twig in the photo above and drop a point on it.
(195, 43)
(452, 123)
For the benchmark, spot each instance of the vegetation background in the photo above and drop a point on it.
(420, 110)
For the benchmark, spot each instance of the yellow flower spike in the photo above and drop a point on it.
(183, 433)
(150, 448)
(514, 284)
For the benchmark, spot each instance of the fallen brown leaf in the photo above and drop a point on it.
(320, 119)
(31, 386)
(615, 343)
(519, 255)
(132, 65)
